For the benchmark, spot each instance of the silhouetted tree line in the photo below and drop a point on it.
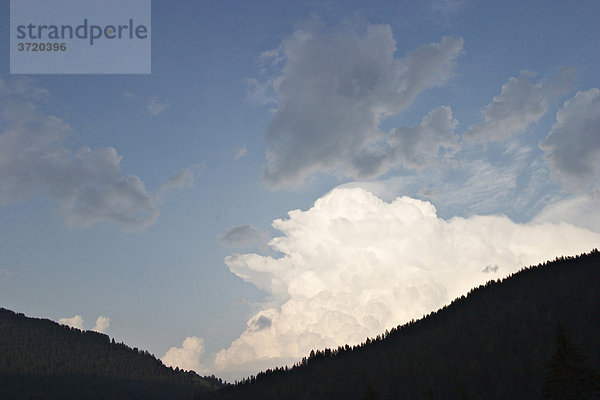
(497, 342)
(40, 359)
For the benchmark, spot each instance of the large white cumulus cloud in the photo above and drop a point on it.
(333, 90)
(354, 265)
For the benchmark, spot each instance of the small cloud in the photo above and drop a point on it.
(156, 105)
(244, 236)
(74, 322)
(262, 322)
(447, 7)
(186, 357)
(129, 95)
(182, 179)
(102, 324)
(240, 152)
(490, 268)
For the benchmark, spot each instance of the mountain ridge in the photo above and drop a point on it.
(40, 358)
(502, 333)
(496, 342)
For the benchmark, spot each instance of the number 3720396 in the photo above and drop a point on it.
(42, 46)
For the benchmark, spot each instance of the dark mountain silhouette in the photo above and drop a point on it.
(40, 359)
(533, 335)
(498, 342)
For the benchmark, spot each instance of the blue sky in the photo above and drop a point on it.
(150, 200)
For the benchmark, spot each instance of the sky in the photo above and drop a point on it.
(299, 175)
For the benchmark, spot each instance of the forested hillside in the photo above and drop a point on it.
(40, 359)
(534, 333)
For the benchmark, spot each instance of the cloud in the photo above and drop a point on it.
(519, 104)
(354, 265)
(581, 210)
(490, 269)
(102, 324)
(244, 236)
(240, 152)
(334, 88)
(446, 7)
(74, 322)
(515, 181)
(186, 357)
(130, 95)
(23, 88)
(260, 93)
(87, 184)
(572, 148)
(419, 146)
(156, 105)
(182, 179)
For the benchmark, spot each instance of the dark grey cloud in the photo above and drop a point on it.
(261, 323)
(419, 146)
(87, 184)
(244, 236)
(333, 89)
(519, 104)
(572, 147)
(490, 269)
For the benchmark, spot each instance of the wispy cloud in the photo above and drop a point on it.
(244, 236)
(156, 105)
(240, 152)
(180, 180)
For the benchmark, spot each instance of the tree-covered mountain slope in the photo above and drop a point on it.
(498, 342)
(532, 335)
(40, 359)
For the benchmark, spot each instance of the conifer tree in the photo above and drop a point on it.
(569, 377)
